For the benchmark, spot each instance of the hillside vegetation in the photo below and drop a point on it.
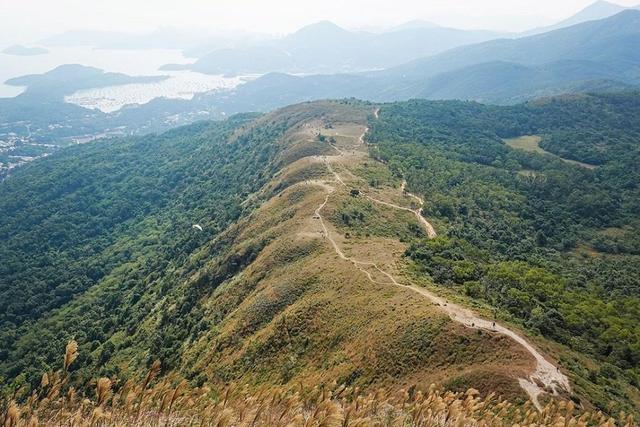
(552, 245)
(281, 253)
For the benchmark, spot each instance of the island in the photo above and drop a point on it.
(19, 50)
(69, 78)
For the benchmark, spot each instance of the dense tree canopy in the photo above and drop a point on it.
(89, 236)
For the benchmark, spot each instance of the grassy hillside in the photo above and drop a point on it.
(172, 402)
(257, 296)
(314, 266)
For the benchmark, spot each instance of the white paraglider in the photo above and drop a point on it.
(196, 227)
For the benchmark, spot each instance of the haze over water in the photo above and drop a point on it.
(144, 62)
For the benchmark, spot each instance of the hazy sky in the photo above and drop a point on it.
(28, 20)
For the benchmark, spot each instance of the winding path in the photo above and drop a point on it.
(545, 378)
(431, 232)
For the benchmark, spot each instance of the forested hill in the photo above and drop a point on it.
(548, 240)
(94, 239)
(596, 128)
(259, 251)
(117, 213)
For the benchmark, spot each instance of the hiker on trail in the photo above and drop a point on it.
(494, 325)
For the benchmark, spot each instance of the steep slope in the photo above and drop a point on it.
(189, 297)
(114, 217)
(525, 229)
(510, 83)
(271, 298)
(374, 262)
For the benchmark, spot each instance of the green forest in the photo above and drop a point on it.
(552, 245)
(96, 236)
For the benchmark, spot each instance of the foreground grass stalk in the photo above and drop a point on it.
(169, 402)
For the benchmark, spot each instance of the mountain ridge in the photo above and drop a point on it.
(599, 55)
(342, 50)
(303, 222)
(600, 9)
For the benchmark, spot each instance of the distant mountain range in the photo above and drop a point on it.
(327, 48)
(595, 55)
(508, 70)
(594, 49)
(599, 10)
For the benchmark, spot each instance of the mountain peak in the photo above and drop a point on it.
(600, 9)
(603, 5)
(415, 24)
(317, 35)
(320, 28)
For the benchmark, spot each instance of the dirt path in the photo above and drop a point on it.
(545, 378)
(546, 375)
(431, 232)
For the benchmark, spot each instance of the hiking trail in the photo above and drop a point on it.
(545, 378)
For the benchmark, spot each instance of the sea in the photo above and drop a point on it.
(143, 62)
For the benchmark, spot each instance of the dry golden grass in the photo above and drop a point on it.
(338, 323)
(171, 402)
(298, 314)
